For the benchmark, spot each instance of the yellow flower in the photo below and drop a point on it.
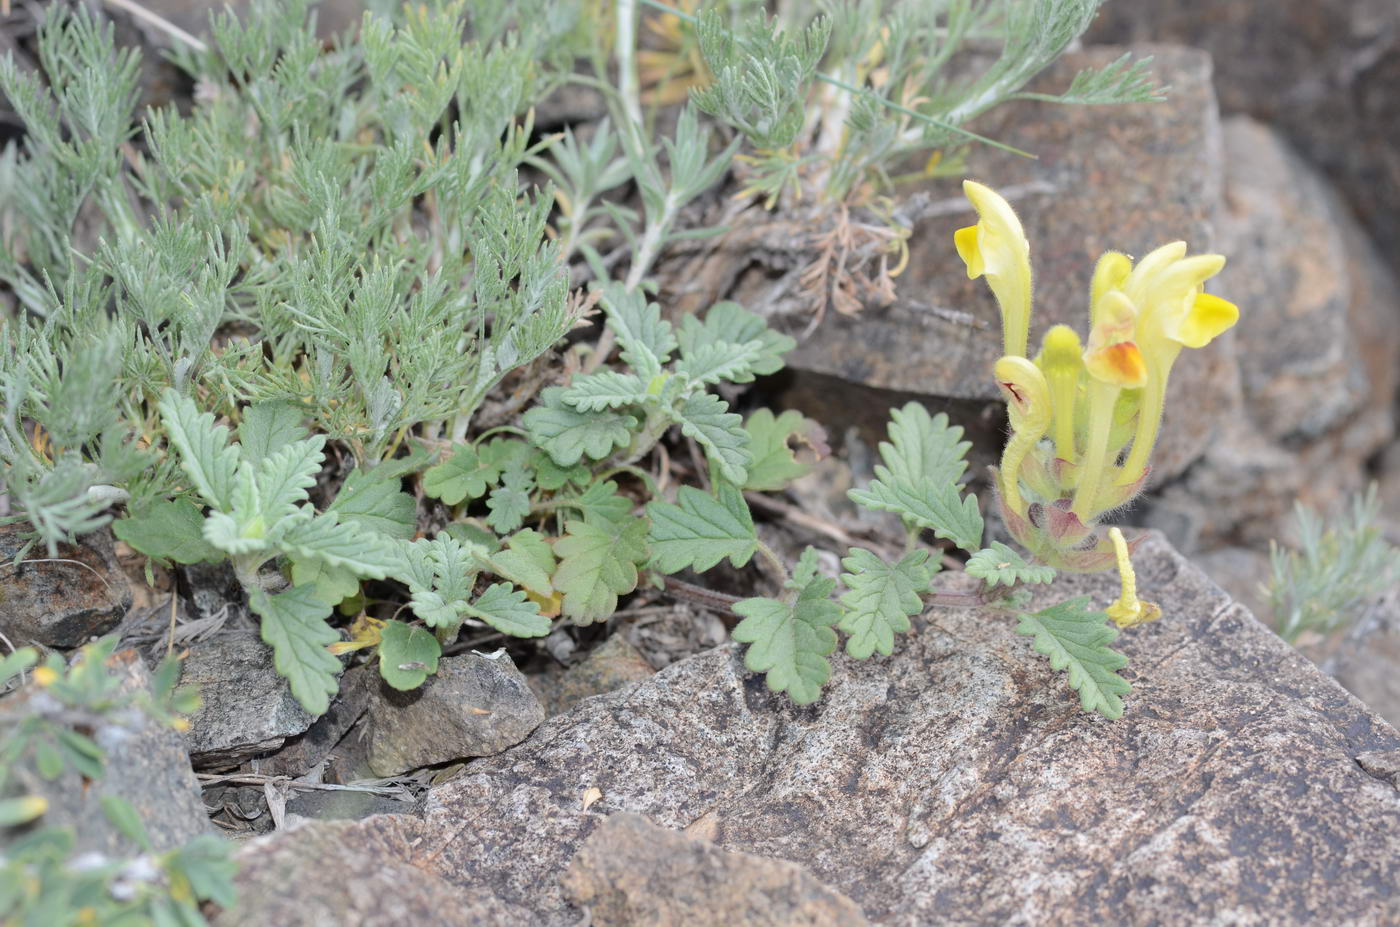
(1129, 610)
(1061, 361)
(997, 248)
(1029, 409)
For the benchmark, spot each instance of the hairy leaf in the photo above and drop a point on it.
(774, 465)
(602, 500)
(1077, 639)
(789, 641)
(701, 530)
(597, 563)
(730, 323)
(882, 597)
(718, 361)
(924, 459)
(375, 502)
(1000, 564)
(509, 611)
(568, 434)
(647, 340)
(169, 531)
(294, 626)
(528, 561)
(342, 544)
(509, 503)
(464, 475)
(205, 452)
(407, 655)
(268, 426)
(284, 476)
(609, 389)
(706, 418)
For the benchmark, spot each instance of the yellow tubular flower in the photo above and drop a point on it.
(1109, 274)
(1114, 363)
(1129, 610)
(997, 248)
(1062, 365)
(1028, 406)
(1176, 314)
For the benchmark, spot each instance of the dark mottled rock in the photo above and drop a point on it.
(631, 873)
(1324, 72)
(345, 804)
(1125, 178)
(613, 664)
(56, 602)
(474, 705)
(146, 764)
(1318, 336)
(958, 782)
(247, 708)
(303, 751)
(330, 873)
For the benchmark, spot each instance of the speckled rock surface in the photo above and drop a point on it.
(146, 764)
(631, 873)
(247, 709)
(474, 705)
(1317, 344)
(612, 665)
(1124, 178)
(60, 604)
(958, 782)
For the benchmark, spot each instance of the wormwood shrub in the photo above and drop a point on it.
(322, 326)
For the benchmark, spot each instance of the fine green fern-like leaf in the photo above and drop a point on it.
(567, 434)
(1000, 564)
(789, 641)
(407, 655)
(924, 459)
(882, 597)
(597, 563)
(1076, 639)
(294, 626)
(701, 530)
(706, 418)
(205, 452)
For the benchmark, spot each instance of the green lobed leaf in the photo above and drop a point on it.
(568, 435)
(597, 563)
(284, 476)
(602, 500)
(924, 459)
(342, 544)
(509, 503)
(551, 477)
(608, 389)
(205, 452)
(333, 584)
(718, 361)
(701, 530)
(267, 427)
(527, 561)
(464, 475)
(882, 597)
(790, 641)
(1000, 564)
(407, 655)
(509, 611)
(170, 531)
(647, 340)
(1076, 639)
(706, 418)
(373, 501)
(294, 626)
(730, 323)
(774, 465)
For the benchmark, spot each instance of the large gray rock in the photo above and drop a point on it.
(1317, 343)
(1324, 72)
(146, 764)
(247, 708)
(958, 782)
(613, 664)
(632, 873)
(474, 705)
(64, 600)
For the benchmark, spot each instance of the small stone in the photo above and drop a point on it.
(614, 664)
(145, 764)
(345, 804)
(631, 873)
(474, 705)
(302, 752)
(247, 708)
(64, 600)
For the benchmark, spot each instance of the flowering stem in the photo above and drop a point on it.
(1154, 398)
(1102, 396)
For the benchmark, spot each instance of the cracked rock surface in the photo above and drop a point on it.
(953, 782)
